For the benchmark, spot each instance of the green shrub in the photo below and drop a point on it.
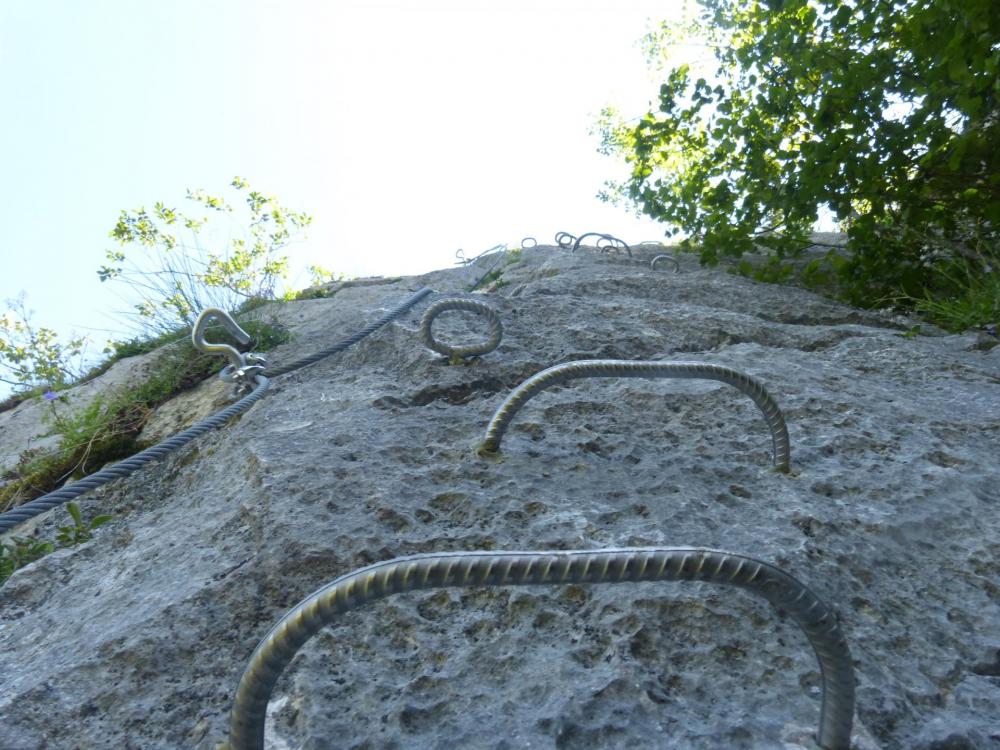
(174, 276)
(19, 552)
(886, 114)
(33, 358)
(22, 550)
(80, 531)
(107, 428)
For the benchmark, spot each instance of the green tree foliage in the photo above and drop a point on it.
(885, 111)
(174, 273)
(32, 356)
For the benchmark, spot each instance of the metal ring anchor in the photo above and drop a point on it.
(672, 259)
(242, 368)
(609, 238)
(459, 354)
(622, 368)
(451, 569)
(565, 239)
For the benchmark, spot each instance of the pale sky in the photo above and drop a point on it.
(408, 129)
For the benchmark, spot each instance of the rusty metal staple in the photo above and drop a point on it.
(459, 353)
(816, 619)
(621, 368)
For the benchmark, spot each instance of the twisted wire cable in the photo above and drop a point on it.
(459, 353)
(340, 346)
(621, 368)
(463, 261)
(501, 253)
(672, 259)
(450, 569)
(124, 468)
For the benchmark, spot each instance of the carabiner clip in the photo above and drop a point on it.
(242, 368)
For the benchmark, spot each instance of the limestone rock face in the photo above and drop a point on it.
(138, 638)
(27, 426)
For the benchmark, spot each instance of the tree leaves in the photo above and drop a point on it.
(177, 272)
(32, 356)
(885, 111)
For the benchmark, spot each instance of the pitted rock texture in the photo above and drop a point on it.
(138, 638)
(28, 426)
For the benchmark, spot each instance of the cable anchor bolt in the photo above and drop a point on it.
(243, 368)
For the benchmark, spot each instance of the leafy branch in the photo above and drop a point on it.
(174, 275)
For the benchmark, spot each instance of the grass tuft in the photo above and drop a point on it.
(107, 429)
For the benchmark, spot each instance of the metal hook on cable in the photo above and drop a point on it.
(242, 368)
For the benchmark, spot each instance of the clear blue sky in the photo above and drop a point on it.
(407, 129)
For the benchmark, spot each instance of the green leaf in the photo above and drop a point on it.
(100, 521)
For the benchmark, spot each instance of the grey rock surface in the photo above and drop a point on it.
(28, 426)
(138, 638)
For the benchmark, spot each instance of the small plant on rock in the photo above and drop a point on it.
(79, 532)
(19, 552)
(23, 550)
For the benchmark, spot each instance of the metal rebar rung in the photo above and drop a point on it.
(565, 239)
(677, 265)
(615, 242)
(458, 353)
(623, 368)
(817, 620)
(351, 340)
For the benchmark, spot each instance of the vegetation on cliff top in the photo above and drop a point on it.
(884, 112)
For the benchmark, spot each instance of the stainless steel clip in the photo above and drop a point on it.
(242, 368)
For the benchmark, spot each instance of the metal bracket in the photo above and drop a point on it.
(242, 368)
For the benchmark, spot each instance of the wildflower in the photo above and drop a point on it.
(50, 395)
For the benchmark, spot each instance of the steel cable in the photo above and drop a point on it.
(123, 468)
(426, 571)
(463, 261)
(621, 368)
(500, 251)
(340, 346)
(459, 353)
